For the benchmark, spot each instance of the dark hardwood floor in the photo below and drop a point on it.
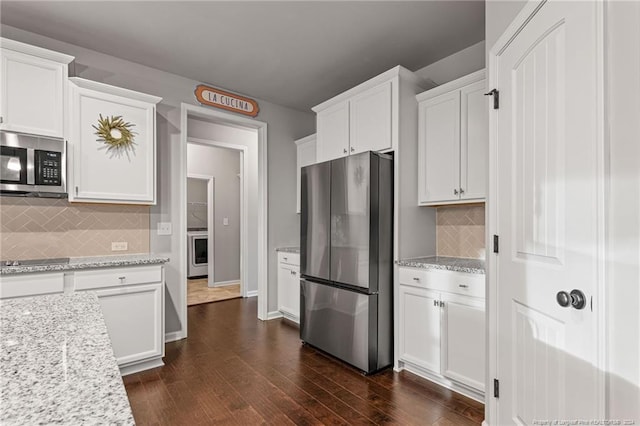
(235, 369)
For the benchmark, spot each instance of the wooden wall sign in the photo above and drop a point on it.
(211, 96)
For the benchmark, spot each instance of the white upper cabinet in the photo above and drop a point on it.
(364, 118)
(32, 89)
(305, 156)
(102, 173)
(333, 132)
(474, 141)
(453, 142)
(370, 120)
(440, 146)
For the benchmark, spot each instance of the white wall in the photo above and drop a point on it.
(284, 126)
(224, 166)
(623, 113)
(455, 66)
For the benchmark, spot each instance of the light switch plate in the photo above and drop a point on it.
(164, 228)
(119, 246)
(225, 221)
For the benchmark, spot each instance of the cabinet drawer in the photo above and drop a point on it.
(289, 258)
(449, 281)
(114, 277)
(31, 284)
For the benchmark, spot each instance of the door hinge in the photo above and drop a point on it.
(496, 244)
(496, 388)
(496, 97)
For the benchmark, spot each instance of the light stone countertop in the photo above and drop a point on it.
(289, 249)
(75, 263)
(57, 364)
(470, 266)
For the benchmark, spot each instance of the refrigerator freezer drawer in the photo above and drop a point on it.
(344, 324)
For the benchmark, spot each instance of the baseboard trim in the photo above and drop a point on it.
(174, 336)
(440, 380)
(274, 315)
(252, 293)
(141, 366)
(225, 283)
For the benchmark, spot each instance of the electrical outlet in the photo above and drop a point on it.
(119, 246)
(225, 221)
(164, 228)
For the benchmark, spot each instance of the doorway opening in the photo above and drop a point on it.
(247, 137)
(214, 225)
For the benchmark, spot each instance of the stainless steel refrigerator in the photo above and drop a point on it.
(346, 255)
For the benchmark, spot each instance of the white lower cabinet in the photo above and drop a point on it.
(463, 340)
(441, 332)
(22, 285)
(289, 285)
(132, 301)
(420, 327)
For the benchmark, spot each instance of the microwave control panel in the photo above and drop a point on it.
(48, 165)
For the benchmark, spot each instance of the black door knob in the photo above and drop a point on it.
(578, 300)
(563, 299)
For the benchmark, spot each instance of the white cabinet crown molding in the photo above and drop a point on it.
(452, 85)
(306, 139)
(114, 90)
(40, 52)
(397, 71)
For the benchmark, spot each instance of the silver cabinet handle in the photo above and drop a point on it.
(463, 286)
(122, 279)
(435, 303)
(285, 258)
(344, 151)
(461, 191)
(353, 149)
(455, 192)
(1, 120)
(416, 279)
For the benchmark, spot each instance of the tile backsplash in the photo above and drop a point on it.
(33, 228)
(460, 231)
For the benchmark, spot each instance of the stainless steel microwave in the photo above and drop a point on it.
(32, 165)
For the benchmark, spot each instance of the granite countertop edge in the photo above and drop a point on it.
(470, 266)
(78, 263)
(76, 377)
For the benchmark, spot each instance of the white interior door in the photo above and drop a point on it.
(547, 199)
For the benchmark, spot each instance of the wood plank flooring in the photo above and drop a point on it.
(235, 369)
(199, 292)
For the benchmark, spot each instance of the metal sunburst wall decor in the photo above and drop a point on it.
(116, 134)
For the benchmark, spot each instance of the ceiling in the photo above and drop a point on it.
(292, 53)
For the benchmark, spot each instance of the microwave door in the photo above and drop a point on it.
(13, 165)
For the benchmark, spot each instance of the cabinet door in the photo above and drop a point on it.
(306, 155)
(333, 132)
(463, 340)
(370, 120)
(439, 149)
(134, 321)
(289, 291)
(420, 328)
(32, 94)
(21, 285)
(474, 141)
(123, 176)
